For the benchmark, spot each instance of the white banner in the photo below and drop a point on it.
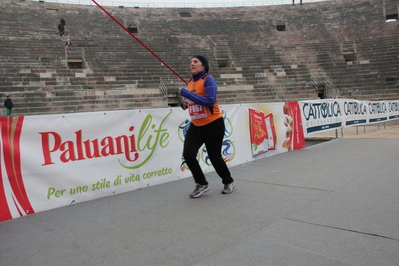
(327, 114)
(49, 161)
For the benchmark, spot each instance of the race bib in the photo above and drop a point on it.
(196, 111)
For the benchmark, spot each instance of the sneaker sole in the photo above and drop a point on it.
(230, 191)
(199, 195)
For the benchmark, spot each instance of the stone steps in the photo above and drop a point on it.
(270, 65)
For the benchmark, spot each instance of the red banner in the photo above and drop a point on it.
(11, 128)
(294, 129)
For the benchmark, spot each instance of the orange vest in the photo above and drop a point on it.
(201, 115)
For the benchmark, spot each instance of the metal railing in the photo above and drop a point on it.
(230, 56)
(83, 54)
(66, 56)
(327, 81)
(313, 81)
(163, 88)
(182, 3)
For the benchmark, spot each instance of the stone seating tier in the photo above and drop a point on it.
(263, 64)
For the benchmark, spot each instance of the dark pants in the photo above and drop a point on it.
(212, 135)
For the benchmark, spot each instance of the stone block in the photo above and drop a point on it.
(25, 71)
(62, 81)
(37, 83)
(230, 76)
(108, 79)
(80, 75)
(281, 74)
(159, 103)
(17, 83)
(45, 75)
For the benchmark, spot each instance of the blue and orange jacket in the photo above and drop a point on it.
(201, 94)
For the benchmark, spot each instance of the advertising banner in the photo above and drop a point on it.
(378, 112)
(393, 110)
(293, 121)
(283, 123)
(61, 159)
(355, 112)
(327, 114)
(50, 161)
(320, 115)
(257, 126)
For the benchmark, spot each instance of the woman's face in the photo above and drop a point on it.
(196, 66)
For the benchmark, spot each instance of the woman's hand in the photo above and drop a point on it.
(184, 105)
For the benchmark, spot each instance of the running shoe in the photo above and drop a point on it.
(199, 190)
(228, 188)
